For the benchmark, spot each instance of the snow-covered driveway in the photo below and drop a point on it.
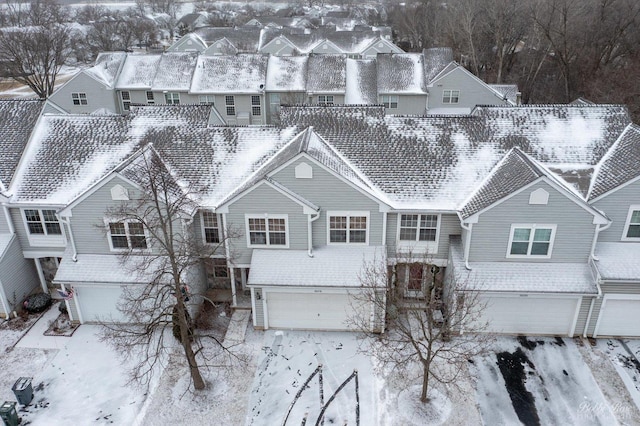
(539, 381)
(290, 357)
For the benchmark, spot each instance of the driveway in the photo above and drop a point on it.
(538, 381)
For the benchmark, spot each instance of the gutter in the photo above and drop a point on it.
(310, 221)
(5, 208)
(467, 242)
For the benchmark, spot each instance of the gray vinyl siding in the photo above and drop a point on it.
(372, 51)
(338, 98)
(407, 104)
(265, 200)
(472, 91)
(198, 232)
(331, 194)
(4, 225)
(98, 95)
(286, 98)
(259, 308)
(87, 223)
(329, 49)
(282, 49)
(18, 275)
(449, 225)
(574, 232)
(582, 316)
(611, 288)
(21, 232)
(73, 310)
(616, 207)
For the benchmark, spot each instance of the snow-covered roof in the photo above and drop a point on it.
(435, 60)
(508, 91)
(17, 120)
(361, 82)
(174, 71)
(620, 165)
(330, 266)
(245, 38)
(326, 73)
(107, 67)
(521, 277)
(243, 73)
(96, 268)
(618, 261)
(401, 73)
(287, 73)
(138, 72)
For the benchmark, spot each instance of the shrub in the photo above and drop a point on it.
(37, 302)
(62, 307)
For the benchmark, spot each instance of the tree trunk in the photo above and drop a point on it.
(196, 377)
(425, 382)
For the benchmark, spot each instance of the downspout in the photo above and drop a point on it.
(598, 296)
(466, 244)
(227, 254)
(384, 229)
(66, 221)
(310, 221)
(12, 230)
(595, 239)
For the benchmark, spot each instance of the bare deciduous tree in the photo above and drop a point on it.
(33, 51)
(167, 259)
(440, 330)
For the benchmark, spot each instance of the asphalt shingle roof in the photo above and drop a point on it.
(138, 72)
(326, 73)
(401, 73)
(435, 60)
(620, 165)
(243, 73)
(175, 71)
(17, 120)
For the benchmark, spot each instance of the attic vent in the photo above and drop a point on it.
(119, 193)
(325, 47)
(539, 196)
(189, 42)
(277, 41)
(304, 171)
(379, 44)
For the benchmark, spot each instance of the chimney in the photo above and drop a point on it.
(518, 98)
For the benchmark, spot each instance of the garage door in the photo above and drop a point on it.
(98, 303)
(530, 315)
(619, 317)
(310, 311)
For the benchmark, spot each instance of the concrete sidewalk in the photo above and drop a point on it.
(35, 337)
(237, 327)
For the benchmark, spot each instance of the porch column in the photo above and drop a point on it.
(43, 281)
(233, 286)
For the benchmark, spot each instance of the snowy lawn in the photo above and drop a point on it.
(624, 354)
(545, 381)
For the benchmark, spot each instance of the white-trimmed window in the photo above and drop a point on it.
(267, 230)
(390, 101)
(230, 104)
(172, 98)
(531, 241)
(347, 227)
(256, 108)
(207, 99)
(150, 98)
(127, 235)
(450, 96)
(126, 100)
(79, 98)
(42, 222)
(632, 226)
(210, 229)
(325, 99)
(418, 227)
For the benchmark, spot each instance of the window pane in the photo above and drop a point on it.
(117, 228)
(210, 219)
(409, 220)
(256, 224)
(255, 100)
(138, 242)
(427, 235)
(519, 248)
(211, 235)
(49, 215)
(634, 231)
(277, 238)
(336, 236)
(408, 234)
(429, 221)
(119, 241)
(358, 222)
(415, 277)
(521, 234)
(35, 228)
(136, 228)
(32, 215)
(258, 238)
(53, 228)
(540, 249)
(357, 236)
(277, 225)
(229, 100)
(338, 222)
(635, 216)
(542, 235)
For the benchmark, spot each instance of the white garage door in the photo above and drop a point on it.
(310, 311)
(98, 303)
(530, 315)
(619, 317)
